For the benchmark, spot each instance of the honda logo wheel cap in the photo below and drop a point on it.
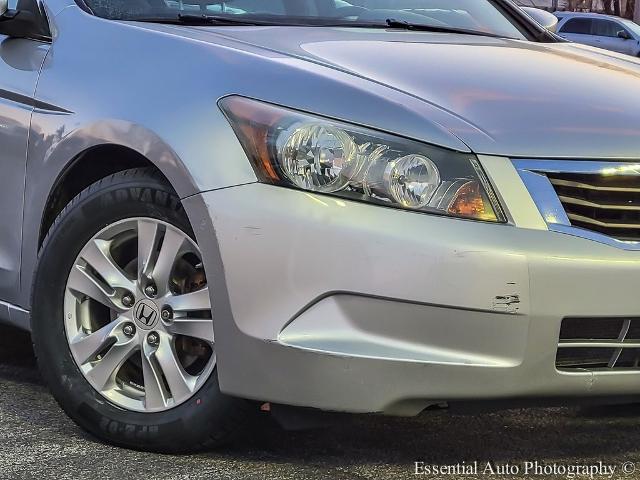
(146, 314)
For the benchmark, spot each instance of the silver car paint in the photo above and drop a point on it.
(154, 89)
(20, 62)
(451, 338)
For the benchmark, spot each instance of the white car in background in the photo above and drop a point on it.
(546, 4)
(550, 5)
(604, 31)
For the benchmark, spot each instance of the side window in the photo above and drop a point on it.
(606, 28)
(577, 25)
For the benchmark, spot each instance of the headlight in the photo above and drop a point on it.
(321, 155)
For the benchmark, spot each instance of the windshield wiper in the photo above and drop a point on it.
(424, 27)
(221, 20)
(191, 19)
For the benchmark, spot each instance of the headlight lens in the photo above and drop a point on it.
(326, 156)
(317, 156)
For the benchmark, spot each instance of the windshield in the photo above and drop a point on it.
(473, 15)
(634, 27)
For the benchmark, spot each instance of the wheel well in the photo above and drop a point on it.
(86, 168)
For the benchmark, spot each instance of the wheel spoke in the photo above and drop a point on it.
(189, 302)
(105, 370)
(180, 382)
(148, 235)
(171, 247)
(155, 394)
(86, 346)
(83, 284)
(201, 328)
(96, 254)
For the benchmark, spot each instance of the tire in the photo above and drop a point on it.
(206, 419)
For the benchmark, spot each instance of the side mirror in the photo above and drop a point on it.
(544, 18)
(27, 22)
(624, 35)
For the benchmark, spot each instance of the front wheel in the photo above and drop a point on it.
(122, 321)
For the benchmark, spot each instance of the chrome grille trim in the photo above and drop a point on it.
(551, 205)
(598, 344)
(580, 218)
(587, 186)
(586, 203)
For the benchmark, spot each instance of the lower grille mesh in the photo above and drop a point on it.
(599, 343)
(607, 204)
(584, 358)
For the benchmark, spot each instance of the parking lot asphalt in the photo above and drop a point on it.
(37, 441)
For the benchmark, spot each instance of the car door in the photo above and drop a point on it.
(20, 62)
(578, 30)
(606, 31)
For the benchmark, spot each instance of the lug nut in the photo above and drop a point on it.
(166, 314)
(153, 339)
(129, 330)
(128, 300)
(151, 291)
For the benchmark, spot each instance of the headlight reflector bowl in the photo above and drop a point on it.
(412, 180)
(317, 156)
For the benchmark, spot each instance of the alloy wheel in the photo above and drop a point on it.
(138, 315)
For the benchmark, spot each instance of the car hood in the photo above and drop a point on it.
(499, 96)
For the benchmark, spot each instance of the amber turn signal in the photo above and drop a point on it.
(470, 202)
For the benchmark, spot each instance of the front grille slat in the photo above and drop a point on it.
(606, 204)
(596, 344)
(586, 203)
(599, 344)
(586, 186)
(598, 223)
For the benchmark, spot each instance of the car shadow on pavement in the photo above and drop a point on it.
(16, 356)
(515, 436)
(436, 437)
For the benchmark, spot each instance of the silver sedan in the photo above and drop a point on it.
(212, 208)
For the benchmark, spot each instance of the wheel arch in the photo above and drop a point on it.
(87, 167)
(61, 165)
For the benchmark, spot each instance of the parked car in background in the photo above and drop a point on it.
(604, 31)
(544, 4)
(550, 5)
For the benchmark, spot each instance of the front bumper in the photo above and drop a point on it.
(343, 306)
